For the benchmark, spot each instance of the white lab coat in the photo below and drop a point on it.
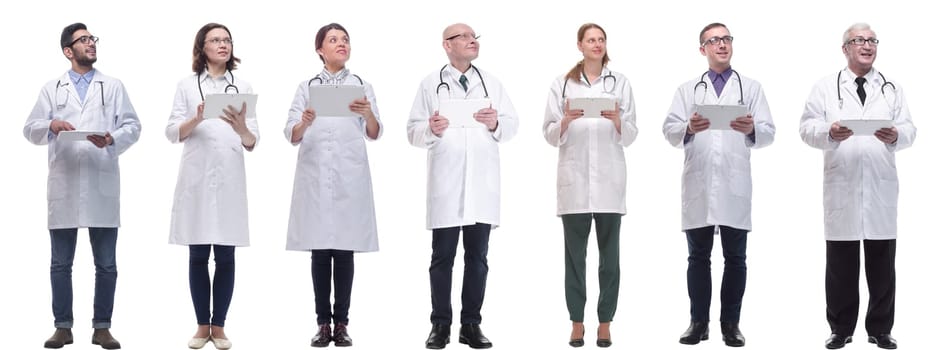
(210, 205)
(463, 164)
(84, 180)
(332, 205)
(716, 178)
(592, 172)
(860, 182)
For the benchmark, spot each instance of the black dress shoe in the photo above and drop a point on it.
(731, 334)
(439, 337)
(577, 343)
(604, 343)
(697, 332)
(323, 337)
(103, 337)
(471, 335)
(60, 338)
(341, 336)
(837, 341)
(884, 341)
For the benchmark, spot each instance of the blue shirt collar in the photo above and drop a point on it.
(82, 79)
(715, 75)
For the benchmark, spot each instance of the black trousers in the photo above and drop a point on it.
(340, 264)
(699, 274)
(842, 300)
(476, 240)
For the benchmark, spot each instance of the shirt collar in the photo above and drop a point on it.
(333, 79)
(80, 78)
(584, 78)
(723, 75)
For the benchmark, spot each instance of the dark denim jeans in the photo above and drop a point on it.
(699, 275)
(221, 287)
(103, 243)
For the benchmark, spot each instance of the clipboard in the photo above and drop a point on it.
(459, 113)
(78, 135)
(592, 106)
(216, 103)
(866, 127)
(334, 100)
(721, 116)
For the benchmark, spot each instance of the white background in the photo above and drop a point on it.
(787, 46)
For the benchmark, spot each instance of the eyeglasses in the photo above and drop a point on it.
(464, 36)
(861, 41)
(715, 40)
(85, 39)
(217, 41)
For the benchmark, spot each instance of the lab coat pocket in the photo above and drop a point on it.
(56, 187)
(835, 195)
(566, 174)
(887, 193)
(693, 187)
(109, 183)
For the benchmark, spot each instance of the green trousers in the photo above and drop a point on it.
(577, 229)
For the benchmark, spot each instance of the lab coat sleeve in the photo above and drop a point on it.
(177, 114)
(126, 122)
(628, 129)
(508, 120)
(814, 128)
(251, 119)
(419, 130)
(764, 129)
(36, 129)
(370, 95)
(554, 112)
(295, 114)
(907, 132)
(677, 121)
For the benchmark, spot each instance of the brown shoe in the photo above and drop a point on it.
(323, 337)
(341, 336)
(102, 336)
(60, 338)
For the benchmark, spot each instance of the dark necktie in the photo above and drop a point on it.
(463, 82)
(860, 81)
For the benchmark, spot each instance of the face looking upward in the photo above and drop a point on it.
(218, 46)
(336, 48)
(83, 49)
(460, 43)
(716, 46)
(593, 45)
(860, 50)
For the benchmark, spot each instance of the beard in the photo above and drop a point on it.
(84, 60)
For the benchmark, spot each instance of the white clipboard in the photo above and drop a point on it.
(216, 103)
(592, 106)
(721, 116)
(459, 113)
(334, 100)
(78, 135)
(866, 127)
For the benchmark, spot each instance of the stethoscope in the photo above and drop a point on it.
(318, 78)
(885, 83)
(231, 84)
(486, 93)
(701, 81)
(59, 84)
(604, 80)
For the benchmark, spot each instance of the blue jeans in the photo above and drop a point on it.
(699, 275)
(103, 243)
(476, 240)
(221, 288)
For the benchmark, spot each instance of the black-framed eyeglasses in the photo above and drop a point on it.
(85, 39)
(217, 41)
(464, 36)
(715, 40)
(861, 41)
